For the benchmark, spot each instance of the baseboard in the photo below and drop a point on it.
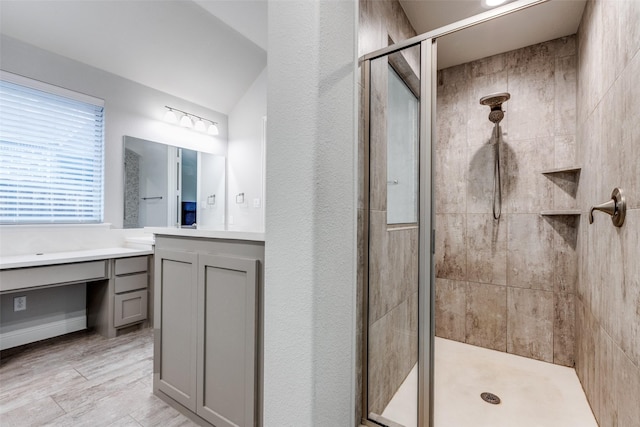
(41, 332)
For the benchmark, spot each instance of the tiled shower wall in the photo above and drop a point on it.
(608, 296)
(508, 284)
(380, 23)
(132, 189)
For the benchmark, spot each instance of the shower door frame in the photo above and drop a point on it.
(426, 274)
(426, 214)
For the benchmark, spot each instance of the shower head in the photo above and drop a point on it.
(494, 101)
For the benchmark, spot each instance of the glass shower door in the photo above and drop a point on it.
(393, 240)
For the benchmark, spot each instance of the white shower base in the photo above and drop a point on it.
(533, 393)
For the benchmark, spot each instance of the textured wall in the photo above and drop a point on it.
(393, 296)
(309, 292)
(508, 285)
(608, 297)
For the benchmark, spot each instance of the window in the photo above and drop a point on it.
(51, 153)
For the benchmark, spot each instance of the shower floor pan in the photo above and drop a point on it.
(532, 393)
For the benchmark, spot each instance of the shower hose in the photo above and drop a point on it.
(497, 187)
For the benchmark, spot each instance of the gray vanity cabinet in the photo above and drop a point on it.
(227, 289)
(206, 356)
(176, 325)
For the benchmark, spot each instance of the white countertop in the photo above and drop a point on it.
(34, 260)
(209, 234)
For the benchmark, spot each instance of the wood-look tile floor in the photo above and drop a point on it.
(83, 379)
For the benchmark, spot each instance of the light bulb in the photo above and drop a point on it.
(200, 126)
(493, 3)
(213, 129)
(170, 117)
(185, 121)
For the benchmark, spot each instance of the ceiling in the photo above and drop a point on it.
(210, 51)
(546, 21)
(180, 47)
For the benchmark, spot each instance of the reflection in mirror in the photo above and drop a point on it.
(166, 186)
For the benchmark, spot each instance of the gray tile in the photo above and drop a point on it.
(527, 189)
(530, 255)
(563, 329)
(565, 190)
(486, 249)
(452, 109)
(486, 316)
(627, 390)
(33, 413)
(392, 354)
(565, 151)
(480, 177)
(630, 127)
(628, 31)
(125, 421)
(378, 135)
(487, 66)
(87, 393)
(530, 323)
(450, 314)
(605, 361)
(450, 256)
(450, 180)
(565, 262)
(531, 109)
(628, 302)
(563, 46)
(155, 412)
(565, 95)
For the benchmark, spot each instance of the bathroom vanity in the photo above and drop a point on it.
(208, 329)
(116, 290)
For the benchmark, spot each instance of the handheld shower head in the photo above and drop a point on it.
(494, 101)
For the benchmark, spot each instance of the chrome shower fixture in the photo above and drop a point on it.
(495, 101)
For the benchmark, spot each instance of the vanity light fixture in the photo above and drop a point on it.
(170, 116)
(493, 3)
(213, 129)
(186, 122)
(191, 121)
(200, 126)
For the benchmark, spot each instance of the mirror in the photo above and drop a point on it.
(167, 186)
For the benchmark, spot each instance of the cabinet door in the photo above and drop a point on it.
(129, 308)
(227, 295)
(177, 275)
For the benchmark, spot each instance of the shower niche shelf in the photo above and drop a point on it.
(573, 170)
(561, 212)
(568, 169)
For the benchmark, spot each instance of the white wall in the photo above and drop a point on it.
(310, 281)
(211, 210)
(130, 109)
(245, 158)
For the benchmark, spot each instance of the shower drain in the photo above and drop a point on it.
(490, 398)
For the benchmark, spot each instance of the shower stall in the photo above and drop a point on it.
(468, 233)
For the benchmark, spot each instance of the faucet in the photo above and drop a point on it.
(616, 207)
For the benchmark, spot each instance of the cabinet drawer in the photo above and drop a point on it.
(129, 308)
(29, 277)
(130, 283)
(131, 265)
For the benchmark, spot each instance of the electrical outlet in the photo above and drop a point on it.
(19, 303)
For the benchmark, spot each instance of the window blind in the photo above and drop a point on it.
(51, 154)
